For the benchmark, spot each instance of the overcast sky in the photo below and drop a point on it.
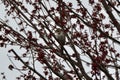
(4, 61)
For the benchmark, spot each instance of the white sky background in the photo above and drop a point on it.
(4, 61)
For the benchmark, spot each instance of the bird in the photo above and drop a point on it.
(60, 36)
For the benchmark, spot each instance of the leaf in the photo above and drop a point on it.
(91, 1)
(102, 16)
(81, 26)
(112, 50)
(70, 5)
(7, 31)
(29, 35)
(107, 60)
(107, 26)
(46, 72)
(11, 67)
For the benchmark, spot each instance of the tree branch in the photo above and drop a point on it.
(29, 67)
(109, 12)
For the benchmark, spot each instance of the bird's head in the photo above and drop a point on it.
(58, 31)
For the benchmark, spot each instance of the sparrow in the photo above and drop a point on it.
(60, 36)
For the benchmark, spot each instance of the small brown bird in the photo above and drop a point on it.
(60, 35)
